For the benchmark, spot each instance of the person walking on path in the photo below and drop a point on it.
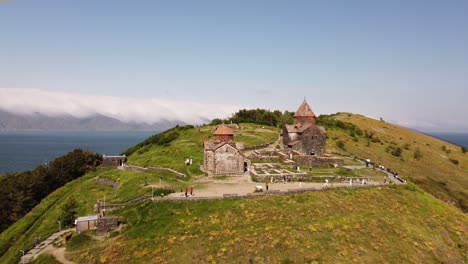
(186, 190)
(300, 183)
(191, 191)
(266, 186)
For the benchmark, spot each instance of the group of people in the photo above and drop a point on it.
(188, 191)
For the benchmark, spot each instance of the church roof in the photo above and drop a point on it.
(297, 128)
(301, 128)
(223, 130)
(214, 145)
(304, 110)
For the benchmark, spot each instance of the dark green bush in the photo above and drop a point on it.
(340, 144)
(417, 154)
(395, 151)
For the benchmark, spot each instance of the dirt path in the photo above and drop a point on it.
(36, 251)
(242, 186)
(58, 253)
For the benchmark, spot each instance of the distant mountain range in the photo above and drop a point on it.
(38, 121)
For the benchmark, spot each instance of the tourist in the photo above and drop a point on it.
(191, 191)
(350, 182)
(367, 163)
(300, 183)
(186, 191)
(326, 183)
(266, 186)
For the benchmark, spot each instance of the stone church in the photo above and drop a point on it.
(304, 135)
(223, 156)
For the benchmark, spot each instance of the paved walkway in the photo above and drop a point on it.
(33, 253)
(244, 186)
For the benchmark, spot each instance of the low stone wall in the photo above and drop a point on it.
(265, 158)
(133, 168)
(296, 176)
(142, 169)
(278, 177)
(106, 182)
(178, 174)
(308, 160)
(106, 224)
(259, 146)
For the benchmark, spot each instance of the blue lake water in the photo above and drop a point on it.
(21, 151)
(460, 139)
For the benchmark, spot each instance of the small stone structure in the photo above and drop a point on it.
(113, 161)
(86, 223)
(106, 182)
(304, 135)
(106, 224)
(222, 156)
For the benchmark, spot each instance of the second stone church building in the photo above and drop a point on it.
(304, 135)
(223, 156)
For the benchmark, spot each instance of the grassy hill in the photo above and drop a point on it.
(189, 144)
(390, 225)
(440, 168)
(374, 225)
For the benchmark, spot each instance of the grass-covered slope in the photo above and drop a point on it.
(42, 220)
(188, 143)
(375, 225)
(427, 161)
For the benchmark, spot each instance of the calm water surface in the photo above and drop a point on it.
(21, 151)
(460, 139)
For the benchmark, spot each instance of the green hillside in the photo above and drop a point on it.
(189, 144)
(434, 169)
(401, 224)
(374, 225)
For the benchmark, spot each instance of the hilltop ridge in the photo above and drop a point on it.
(381, 224)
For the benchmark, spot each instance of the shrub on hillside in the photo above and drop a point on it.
(463, 150)
(340, 144)
(329, 122)
(216, 121)
(263, 117)
(454, 161)
(417, 154)
(67, 218)
(446, 150)
(395, 151)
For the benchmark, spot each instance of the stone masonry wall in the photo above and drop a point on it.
(308, 160)
(106, 224)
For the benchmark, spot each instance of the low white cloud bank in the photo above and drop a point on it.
(126, 109)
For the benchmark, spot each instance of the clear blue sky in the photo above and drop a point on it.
(405, 61)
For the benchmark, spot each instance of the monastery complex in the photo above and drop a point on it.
(302, 143)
